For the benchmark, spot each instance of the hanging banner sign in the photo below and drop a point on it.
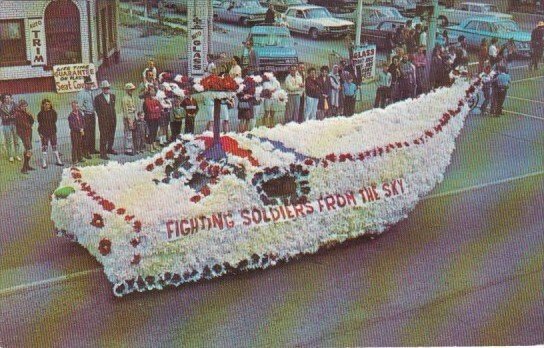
(70, 77)
(37, 42)
(198, 30)
(365, 64)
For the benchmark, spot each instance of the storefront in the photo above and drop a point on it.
(36, 35)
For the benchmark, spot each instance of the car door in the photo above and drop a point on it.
(300, 21)
(291, 18)
(472, 33)
(486, 30)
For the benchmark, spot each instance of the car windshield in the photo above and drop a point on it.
(294, 2)
(508, 26)
(318, 13)
(392, 13)
(263, 40)
(405, 3)
(490, 8)
(250, 4)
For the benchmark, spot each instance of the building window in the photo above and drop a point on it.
(111, 26)
(63, 33)
(12, 42)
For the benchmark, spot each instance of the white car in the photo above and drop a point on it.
(448, 16)
(316, 21)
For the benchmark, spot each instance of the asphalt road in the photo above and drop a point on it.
(465, 268)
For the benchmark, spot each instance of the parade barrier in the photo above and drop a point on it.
(282, 192)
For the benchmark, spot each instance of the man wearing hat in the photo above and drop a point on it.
(537, 45)
(85, 100)
(104, 104)
(129, 115)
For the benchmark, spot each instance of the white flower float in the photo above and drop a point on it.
(281, 192)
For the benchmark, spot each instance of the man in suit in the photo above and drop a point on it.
(104, 104)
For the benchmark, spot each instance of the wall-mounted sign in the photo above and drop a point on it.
(69, 78)
(36, 36)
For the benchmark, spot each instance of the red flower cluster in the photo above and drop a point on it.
(135, 242)
(136, 259)
(219, 84)
(149, 167)
(195, 199)
(97, 221)
(137, 226)
(104, 246)
(159, 161)
(107, 205)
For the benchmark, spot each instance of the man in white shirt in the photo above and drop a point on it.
(493, 52)
(294, 85)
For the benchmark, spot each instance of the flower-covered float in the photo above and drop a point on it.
(179, 217)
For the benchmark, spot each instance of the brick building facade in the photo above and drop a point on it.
(35, 35)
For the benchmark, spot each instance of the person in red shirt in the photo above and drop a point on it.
(153, 111)
(190, 105)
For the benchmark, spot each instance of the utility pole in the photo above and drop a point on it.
(431, 38)
(359, 23)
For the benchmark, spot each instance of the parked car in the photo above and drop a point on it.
(282, 5)
(245, 13)
(406, 7)
(477, 28)
(448, 16)
(316, 21)
(335, 6)
(373, 15)
(274, 48)
(377, 34)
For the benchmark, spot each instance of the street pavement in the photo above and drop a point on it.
(465, 267)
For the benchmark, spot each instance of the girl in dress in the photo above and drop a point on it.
(47, 129)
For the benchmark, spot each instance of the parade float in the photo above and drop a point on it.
(262, 197)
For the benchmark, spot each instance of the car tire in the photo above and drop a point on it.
(314, 33)
(443, 21)
(244, 22)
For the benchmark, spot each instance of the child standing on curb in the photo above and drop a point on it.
(141, 132)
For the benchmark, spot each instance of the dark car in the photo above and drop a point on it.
(377, 34)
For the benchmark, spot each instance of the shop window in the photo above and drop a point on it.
(63, 35)
(111, 28)
(12, 42)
